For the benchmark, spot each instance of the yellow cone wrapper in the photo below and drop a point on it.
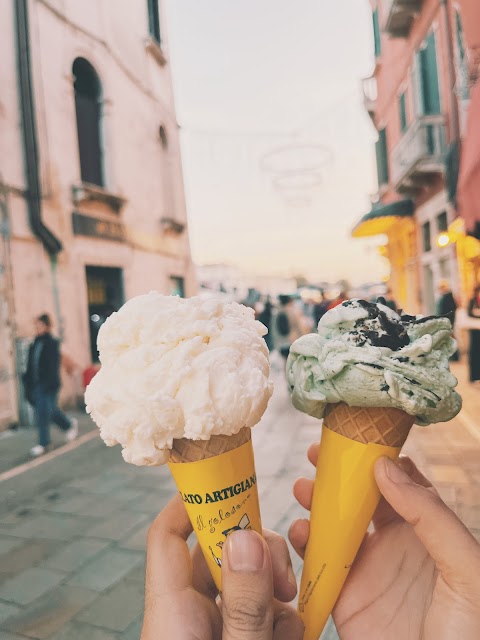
(220, 495)
(345, 497)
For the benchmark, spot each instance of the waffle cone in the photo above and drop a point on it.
(379, 425)
(186, 450)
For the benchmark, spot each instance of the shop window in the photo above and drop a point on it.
(88, 93)
(442, 222)
(382, 158)
(177, 286)
(154, 20)
(377, 34)
(427, 237)
(402, 106)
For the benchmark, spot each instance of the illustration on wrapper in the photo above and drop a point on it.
(243, 524)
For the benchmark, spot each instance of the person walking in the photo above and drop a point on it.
(265, 317)
(447, 307)
(474, 353)
(388, 300)
(42, 384)
(287, 325)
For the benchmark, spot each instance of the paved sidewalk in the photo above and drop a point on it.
(72, 530)
(15, 444)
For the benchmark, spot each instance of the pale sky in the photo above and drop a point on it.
(248, 75)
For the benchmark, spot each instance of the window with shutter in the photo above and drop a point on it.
(154, 20)
(88, 111)
(382, 158)
(429, 77)
(376, 34)
(402, 106)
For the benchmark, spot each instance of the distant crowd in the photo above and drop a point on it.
(289, 317)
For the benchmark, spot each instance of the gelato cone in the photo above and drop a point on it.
(378, 425)
(185, 450)
(370, 374)
(217, 481)
(183, 381)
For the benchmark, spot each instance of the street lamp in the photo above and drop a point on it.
(443, 239)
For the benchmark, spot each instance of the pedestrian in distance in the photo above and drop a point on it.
(287, 325)
(320, 309)
(388, 300)
(42, 384)
(474, 352)
(265, 317)
(342, 296)
(447, 307)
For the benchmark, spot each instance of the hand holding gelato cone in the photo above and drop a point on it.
(183, 381)
(370, 374)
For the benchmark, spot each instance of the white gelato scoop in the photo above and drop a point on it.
(177, 368)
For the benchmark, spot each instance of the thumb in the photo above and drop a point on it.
(452, 547)
(247, 582)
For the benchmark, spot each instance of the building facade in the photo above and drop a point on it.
(417, 98)
(465, 232)
(92, 205)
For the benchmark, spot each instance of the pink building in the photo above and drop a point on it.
(92, 206)
(417, 101)
(469, 183)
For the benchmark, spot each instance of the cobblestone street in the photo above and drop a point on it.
(72, 529)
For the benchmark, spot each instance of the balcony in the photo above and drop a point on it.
(399, 15)
(370, 95)
(420, 155)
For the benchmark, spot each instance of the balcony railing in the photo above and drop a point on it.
(399, 15)
(370, 94)
(419, 155)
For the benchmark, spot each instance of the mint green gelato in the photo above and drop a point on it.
(367, 355)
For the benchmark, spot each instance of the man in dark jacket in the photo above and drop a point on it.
(447, 307)
(42, 384)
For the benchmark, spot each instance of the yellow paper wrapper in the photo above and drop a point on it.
(220, 495)
(345, 497)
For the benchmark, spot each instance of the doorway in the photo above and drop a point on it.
(105, 295)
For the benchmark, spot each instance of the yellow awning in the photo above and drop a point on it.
(382, 217)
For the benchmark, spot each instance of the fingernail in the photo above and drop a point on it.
(291, 577)
(395, 473)
(245, 551)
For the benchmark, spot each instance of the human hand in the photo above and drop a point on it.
(181, 598)
(416, 575)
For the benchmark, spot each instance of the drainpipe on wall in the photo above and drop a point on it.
(49, 240)
(29, 129)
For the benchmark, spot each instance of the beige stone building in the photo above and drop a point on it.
(92, 206)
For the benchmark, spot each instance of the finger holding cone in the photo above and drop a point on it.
(370, 374)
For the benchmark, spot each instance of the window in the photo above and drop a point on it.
(428, 87)
(427, 238)
(460, 36)
(402, 105)
(177, 286)
(442, 222)
(376, 34)
(163, 138)
(382, 158)
(154, 20)
(88, 93)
